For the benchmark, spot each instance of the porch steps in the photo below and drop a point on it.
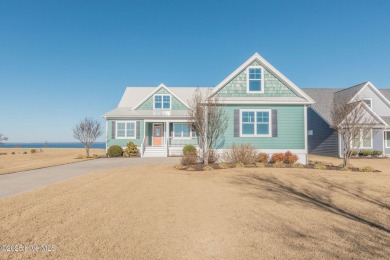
(156, 151)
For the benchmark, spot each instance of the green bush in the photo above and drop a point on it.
(365, 152)
(189, 149)
(223, 165)
(354, 153)
(260, 165)
(115, 151)
(131, 150)
(278, 164)
(179, 167)
(376, 153)
(239, 165)
(297, 165)
(33, 151)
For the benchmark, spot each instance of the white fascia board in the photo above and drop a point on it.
(373, 88)
(270, 68)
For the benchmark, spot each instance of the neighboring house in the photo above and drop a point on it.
(324, 140)
(265, 109)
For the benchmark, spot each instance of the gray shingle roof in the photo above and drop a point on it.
(324, 98)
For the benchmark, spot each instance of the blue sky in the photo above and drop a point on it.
(63, 60)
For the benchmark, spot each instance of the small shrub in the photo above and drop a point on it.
(239, 165)
(24, 152)
(262, 158)
(179, 167)
(189, 149)
(3, 153)
(189, 159)
(367, 169)
(243, 153)
(319, 166)
(33, 151)
(95, 156)
(376, 153)
(80, 156)
(260, 165)
(115, 151)
(365, 152)
(277, 157)
(208, 168)
(13, 153)
(290, 158)
(223, 165)
(297, 165)
(131, 150)
(190, 169)
(213, 157)
(278, 164)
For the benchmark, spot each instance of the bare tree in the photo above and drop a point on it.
(2, 139)
(349, 120)
(209, 119)
(87, 131)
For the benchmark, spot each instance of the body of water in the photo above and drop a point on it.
(50, 145)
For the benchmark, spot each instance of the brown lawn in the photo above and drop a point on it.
(157, 212)
(381, 164)
(49, 157)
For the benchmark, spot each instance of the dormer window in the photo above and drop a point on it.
(162, 101)
(368, 101)
(255, 80)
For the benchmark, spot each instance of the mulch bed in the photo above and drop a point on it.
(200, 167)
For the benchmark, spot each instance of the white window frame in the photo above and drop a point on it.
(255, 122)
(181, 137)
(370, 101)
(361, 141)
(125, 137)
(162, 102)
(386, 134)
(261, 80)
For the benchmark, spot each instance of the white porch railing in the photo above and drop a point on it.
(183, 141)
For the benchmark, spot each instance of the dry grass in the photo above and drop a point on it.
(378, 164)
(49, 157)
(159, 212)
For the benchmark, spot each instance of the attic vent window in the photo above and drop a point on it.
(255, 80)
(368, 101)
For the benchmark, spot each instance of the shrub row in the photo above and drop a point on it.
(366, 153)
(117, 151)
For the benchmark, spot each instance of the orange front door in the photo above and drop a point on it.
(157, 135)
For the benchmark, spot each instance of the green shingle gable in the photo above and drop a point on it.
(273, 87)
(175, 103)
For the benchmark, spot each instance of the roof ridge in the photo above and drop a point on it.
(352, 86)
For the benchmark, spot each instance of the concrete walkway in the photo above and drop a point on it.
(14, 183)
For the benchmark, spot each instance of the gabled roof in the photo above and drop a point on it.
(266, 65)
(135, 96)
(325, 98)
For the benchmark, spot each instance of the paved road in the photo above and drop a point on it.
(14, 183)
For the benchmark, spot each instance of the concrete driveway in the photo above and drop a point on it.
(14, 183)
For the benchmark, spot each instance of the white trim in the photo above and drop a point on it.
(385, 138)
(255, 123)
(373, 88)
(266, 65)
(305, 129)
(256, 102)
(369, 110)
(107, 134)
(154, 92)
(181, 137)
(162, 102)
(125, 122)
(248, 91)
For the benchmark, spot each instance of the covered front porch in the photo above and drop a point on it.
(167, 138)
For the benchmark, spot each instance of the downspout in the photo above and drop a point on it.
(305, 132)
